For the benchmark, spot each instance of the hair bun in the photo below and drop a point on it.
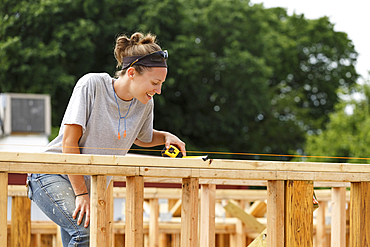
(137, 45)
(123, 43)
(135, 38)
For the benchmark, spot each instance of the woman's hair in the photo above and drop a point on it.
(136, 45)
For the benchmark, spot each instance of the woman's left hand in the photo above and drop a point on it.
(171, 139)
(162, 137)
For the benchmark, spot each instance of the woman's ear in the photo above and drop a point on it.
(131, 72)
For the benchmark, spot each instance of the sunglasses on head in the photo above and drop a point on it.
(158, 56)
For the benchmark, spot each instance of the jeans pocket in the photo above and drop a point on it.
(29, 189)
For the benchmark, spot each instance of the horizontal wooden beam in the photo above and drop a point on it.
(170, 193)
(156, 161)
(254, 174)
(17, 190)
(320, 184)
(250, 195)
(49, 227)
(54, 168)
(64, 168)
(240, 182)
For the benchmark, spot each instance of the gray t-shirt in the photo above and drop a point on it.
(93, 105)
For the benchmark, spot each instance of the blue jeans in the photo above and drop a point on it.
(54, 195)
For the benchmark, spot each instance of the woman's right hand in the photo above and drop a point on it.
(82, 206)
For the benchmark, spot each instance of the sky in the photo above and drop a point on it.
(351, 17)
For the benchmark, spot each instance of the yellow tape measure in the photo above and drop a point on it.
(174, 152)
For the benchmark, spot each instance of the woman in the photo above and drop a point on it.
(103, 113)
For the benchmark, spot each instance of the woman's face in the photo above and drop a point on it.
(146, 85)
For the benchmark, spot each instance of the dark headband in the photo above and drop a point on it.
(155, 59)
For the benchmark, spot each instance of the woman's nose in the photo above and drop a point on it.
(158, 89)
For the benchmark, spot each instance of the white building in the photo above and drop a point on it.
(25, 125)
(25, 122)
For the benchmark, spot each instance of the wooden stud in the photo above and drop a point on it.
(321, 225)
(46, 240)
(119, 240)
(134, 211)
(360, 215)
(232, 240)
(175, 240)
(3, 207)
(220, 240)
(189, 212)
(207, 215)
(58, 238)
(21, 222)
(37, 242)
(299, 213)
(162, 240)
(153, 222)
(241, 236)
(146, 240)
(98, 219)
(338, 217)
(110, 215)
(275, 213)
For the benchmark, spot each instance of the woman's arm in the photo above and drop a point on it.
(71, 137)
(162, 137)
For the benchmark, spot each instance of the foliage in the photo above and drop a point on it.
(347, 134)
(242, 78)
(259, 79)
(313, 63)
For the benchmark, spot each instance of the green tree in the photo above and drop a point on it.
(219, 86)
(313, 62)
(347, 134)
(44, 49)
(241, 78)
(45, 46)
(256, 80)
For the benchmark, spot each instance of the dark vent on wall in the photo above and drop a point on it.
(27, 115)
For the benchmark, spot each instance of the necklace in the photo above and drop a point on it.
(120, 117)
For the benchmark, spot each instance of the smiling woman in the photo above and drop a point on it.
(100, 109)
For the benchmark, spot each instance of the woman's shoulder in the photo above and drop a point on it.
(94, 79)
